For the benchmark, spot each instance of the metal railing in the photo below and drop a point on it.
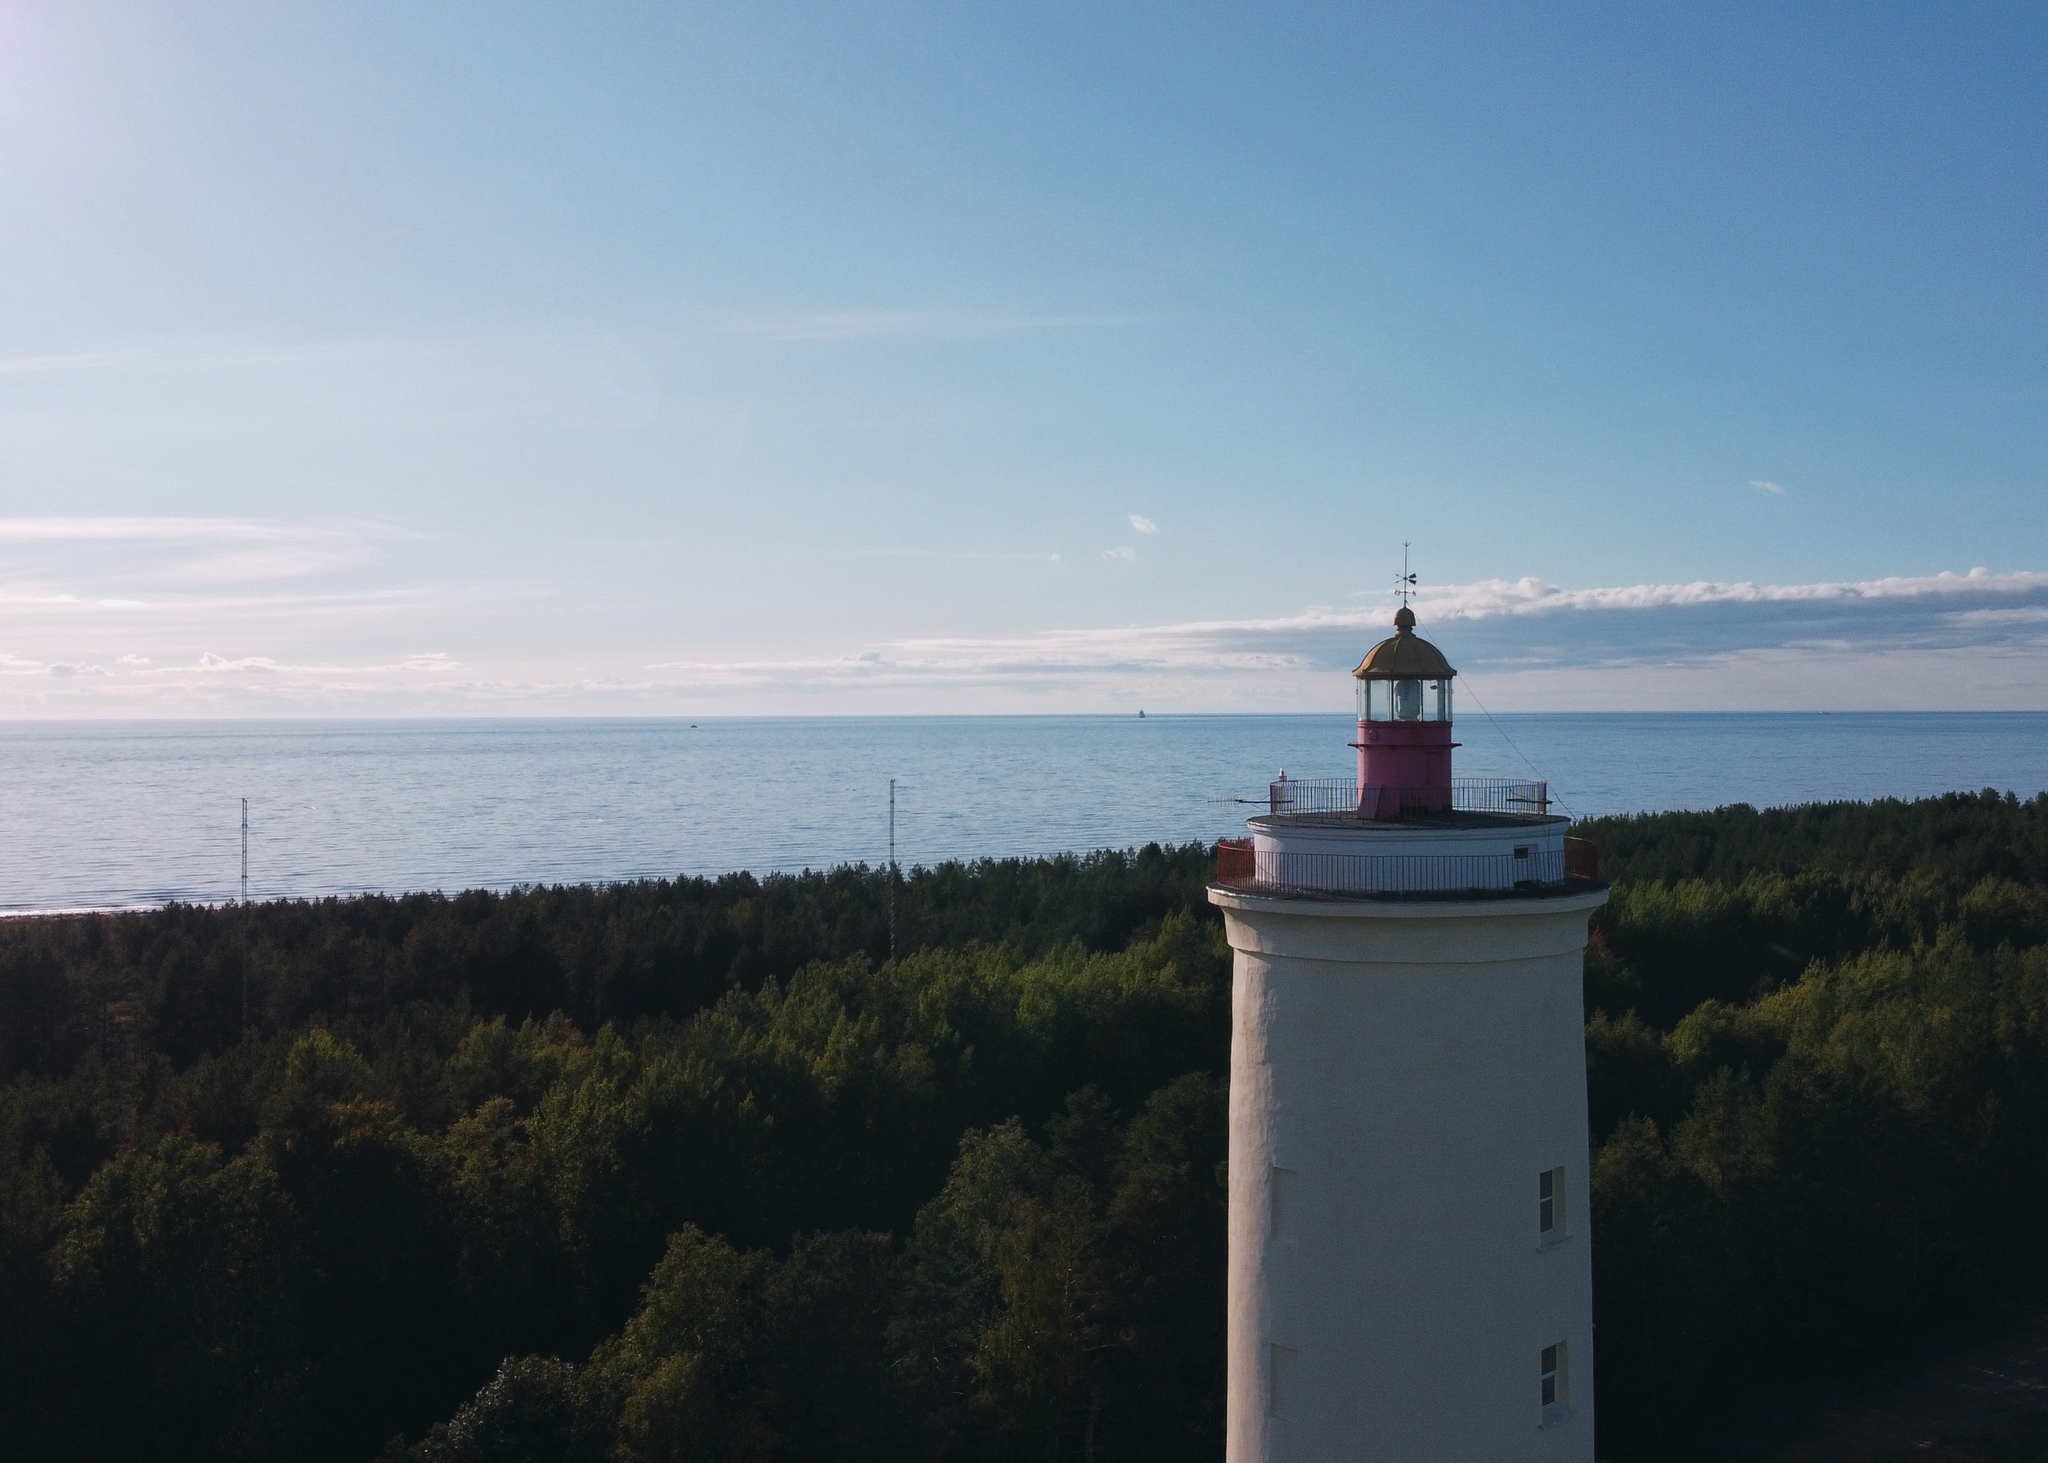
(1468, 795)
(1241, 866)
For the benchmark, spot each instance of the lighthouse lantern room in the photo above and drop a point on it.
(1404, 725)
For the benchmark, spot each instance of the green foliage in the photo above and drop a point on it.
(535, 1410)
(1067, 1280)
(696, 1169)
(1957, 840)
(1817, 1066)
(170, 982)
(410, 1183)
(181, 1278)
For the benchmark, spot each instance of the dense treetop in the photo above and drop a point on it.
(698, 1168)
(1960, 837)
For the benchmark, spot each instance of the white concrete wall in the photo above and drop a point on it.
(1345, 854)
(1410, 1069)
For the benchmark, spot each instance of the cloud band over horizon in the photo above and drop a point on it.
(1941, 641)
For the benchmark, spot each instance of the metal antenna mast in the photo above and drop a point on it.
(245, 914)
(892, 868)
(1404, 582)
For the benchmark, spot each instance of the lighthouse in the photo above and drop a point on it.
(1410, 1270)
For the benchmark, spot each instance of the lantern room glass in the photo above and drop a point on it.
(1411, 699)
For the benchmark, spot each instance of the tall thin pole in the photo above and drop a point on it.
(245, 914)
(892, 868)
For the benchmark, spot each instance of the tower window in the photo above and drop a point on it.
(1281, 1385)
(1550, 1203)
(1283, 1202)
(1556, 1383)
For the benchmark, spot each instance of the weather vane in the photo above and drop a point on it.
(1404, 582)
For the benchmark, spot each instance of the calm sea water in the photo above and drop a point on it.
(101, 815)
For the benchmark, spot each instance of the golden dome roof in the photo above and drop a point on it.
(1406, 657)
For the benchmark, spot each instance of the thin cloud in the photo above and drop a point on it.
(1491, 626)
(213, 665)
(577, 380)
(1530, 596)
(1974, 639)
(1765, 485)
(277, 561)
(1121, 555)
(2026, 615)
(1143, 524)
(829, 325)
(150, 529)
(215, 530)
(1027, 557)
(133, 561)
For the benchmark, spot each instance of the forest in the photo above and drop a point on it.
(845, 1166)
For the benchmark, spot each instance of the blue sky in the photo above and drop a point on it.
(512, 359)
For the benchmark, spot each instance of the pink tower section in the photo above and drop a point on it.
(1403, 767)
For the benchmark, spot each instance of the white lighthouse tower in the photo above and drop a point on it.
(1410, 1273)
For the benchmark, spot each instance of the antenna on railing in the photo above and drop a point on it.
(892, 868)
(245, 914)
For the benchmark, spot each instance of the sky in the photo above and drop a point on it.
(513, 359)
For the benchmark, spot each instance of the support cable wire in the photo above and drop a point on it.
(1467, 690)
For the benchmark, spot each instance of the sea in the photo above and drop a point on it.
(115, 815)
